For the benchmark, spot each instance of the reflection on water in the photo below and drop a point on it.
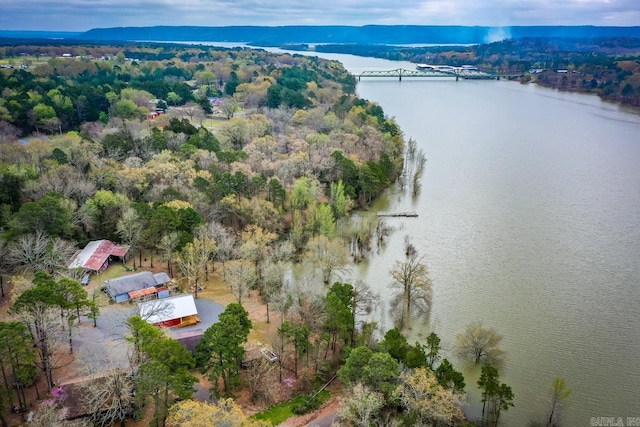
(529, 221)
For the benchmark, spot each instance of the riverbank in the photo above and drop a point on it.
(606, 67)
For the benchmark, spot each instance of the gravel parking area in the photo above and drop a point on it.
(104, 347)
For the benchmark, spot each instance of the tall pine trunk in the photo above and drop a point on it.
(6, 384)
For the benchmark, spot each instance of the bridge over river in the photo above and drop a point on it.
(457, 74)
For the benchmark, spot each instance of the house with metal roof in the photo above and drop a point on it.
(97, 256)
(137, 286)
(179, 311)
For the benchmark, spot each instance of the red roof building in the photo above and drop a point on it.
(97, 255)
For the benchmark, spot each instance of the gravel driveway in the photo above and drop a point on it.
(104, 347)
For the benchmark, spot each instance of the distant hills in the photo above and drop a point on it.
(369, 34)
(38, 34)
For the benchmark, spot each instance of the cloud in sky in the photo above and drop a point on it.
(81, 15)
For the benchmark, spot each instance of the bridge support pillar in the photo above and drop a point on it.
(457, 77)
(400, 78)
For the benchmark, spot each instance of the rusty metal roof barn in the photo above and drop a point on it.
(96, 255)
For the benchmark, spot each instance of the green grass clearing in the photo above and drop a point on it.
(114, 270)
(279, 413)
(213, 123)
(25, 60)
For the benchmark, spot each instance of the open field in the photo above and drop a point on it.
(27, 60)
(214, 122)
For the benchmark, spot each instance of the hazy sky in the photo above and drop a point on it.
(80, 15)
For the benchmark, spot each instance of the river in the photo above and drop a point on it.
(529, 220)
(530, 223)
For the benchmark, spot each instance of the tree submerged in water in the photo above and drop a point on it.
(479, 345)
(496, 396)
(559, 393)
(412, 278)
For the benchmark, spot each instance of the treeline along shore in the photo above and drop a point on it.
(606, 66)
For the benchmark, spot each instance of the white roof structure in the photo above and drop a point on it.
(165, 309)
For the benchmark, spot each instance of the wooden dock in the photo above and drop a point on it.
(398, 214)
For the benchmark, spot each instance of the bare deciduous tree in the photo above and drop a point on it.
(50, 414)
(479, 345)
(412, 277)
(65, 180)
(281, 301)
(156, 308)
(175, 140)
(37, 251)
(309, 306)
(28, 252)
(417, 175)
(280, 118)
(225, 241)
(256, 243)
(257, 373)
(194, 258)
(241, 277)
(364, 302)
(107, 392)
(330, 256)
(194, 111)
(8, 132)
(129, 228)
(361, 405)
(272, 281)
(42, 316)
(109, 398)
(167, 245)
(59, 253)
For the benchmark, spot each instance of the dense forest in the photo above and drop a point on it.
(608, 67)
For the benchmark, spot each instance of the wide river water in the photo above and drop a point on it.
(529, 219)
